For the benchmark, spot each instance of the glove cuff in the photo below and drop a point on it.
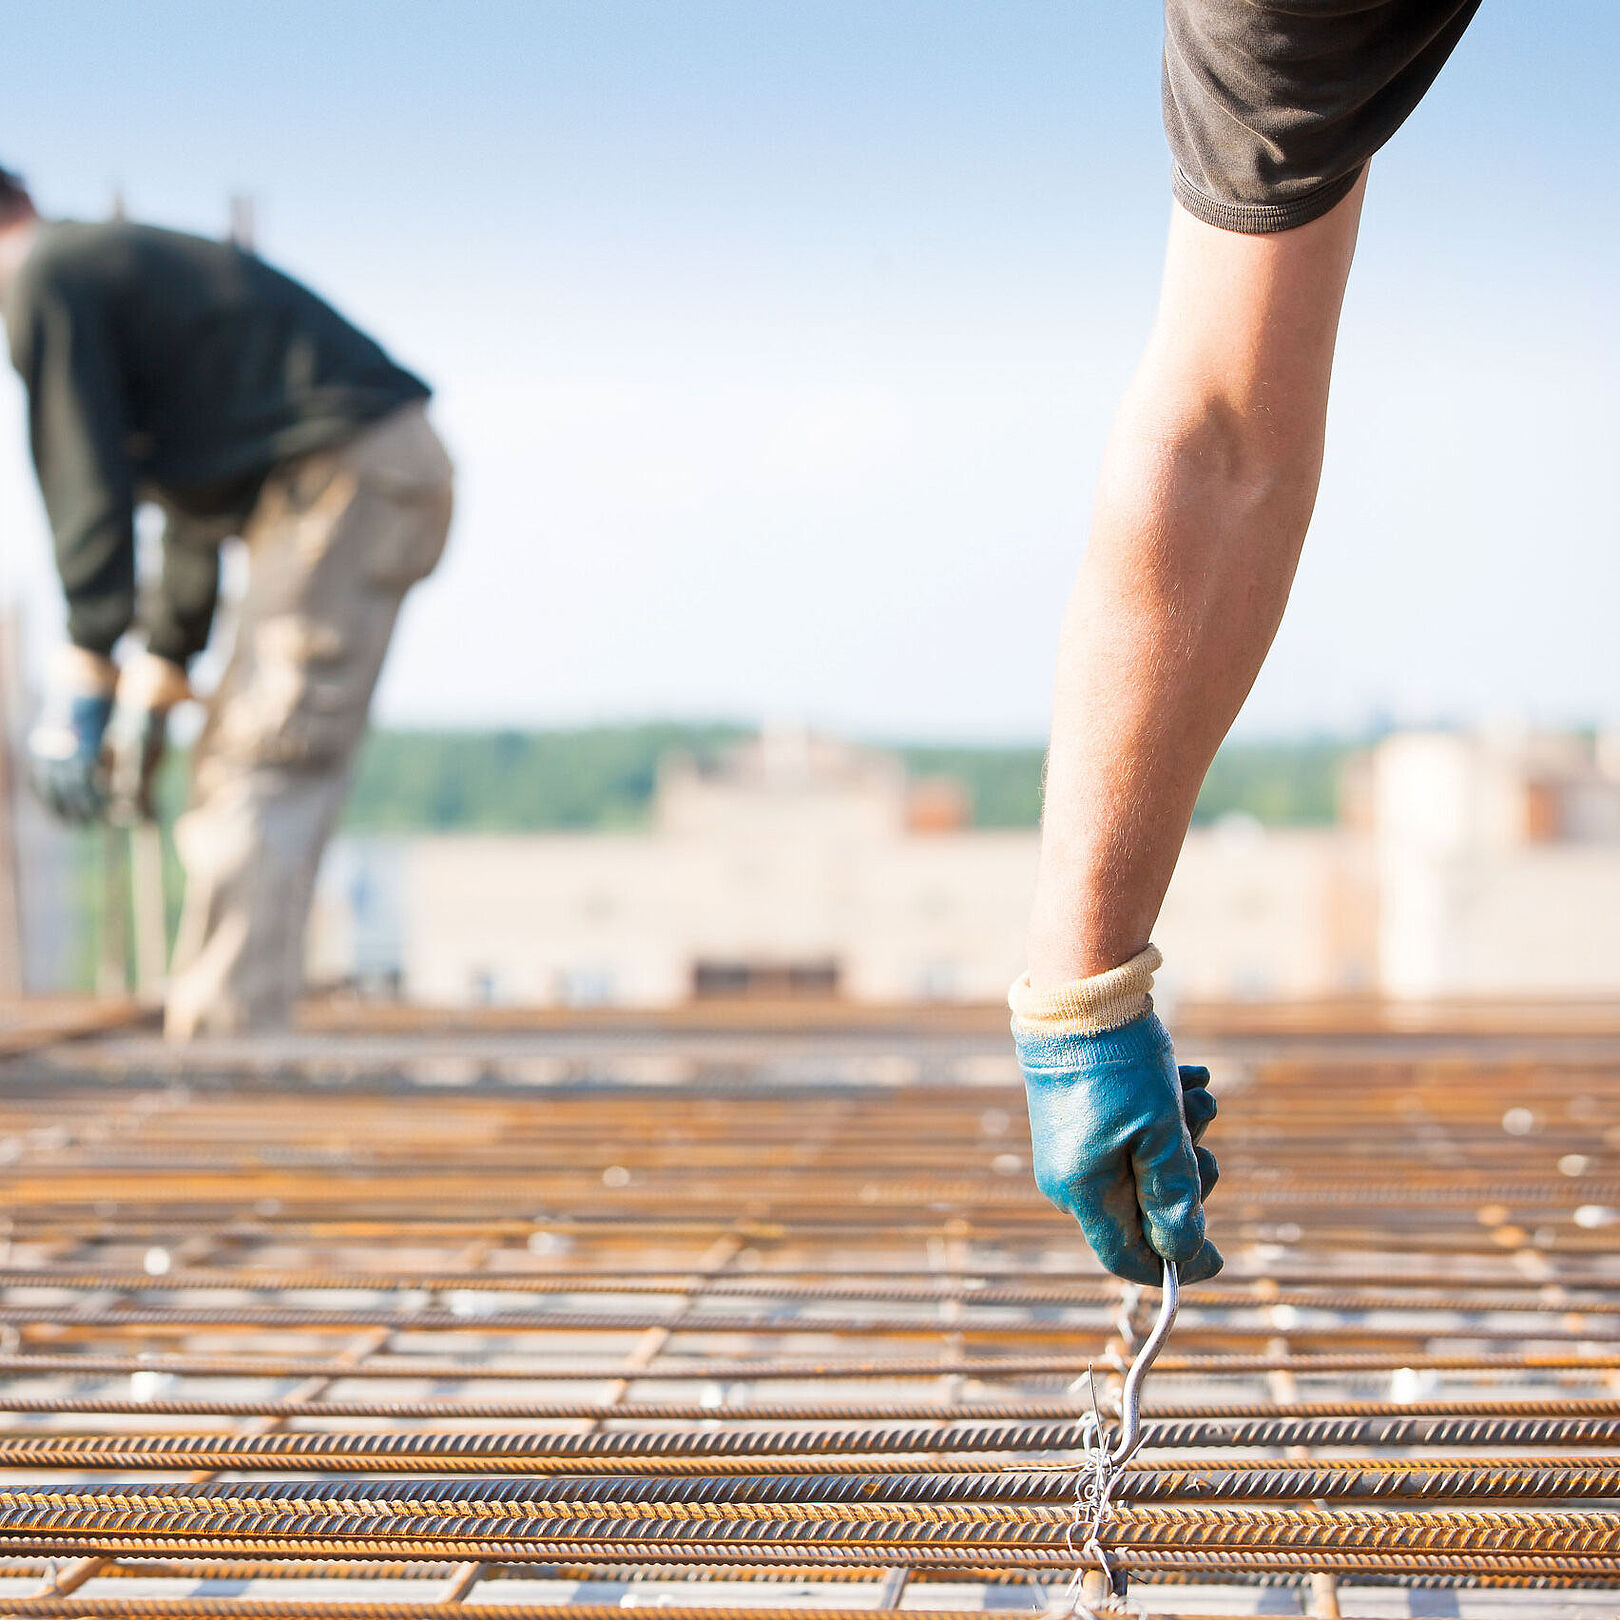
(1041, 1052)
(1091, 1006)
(78, 672)
(150, 682)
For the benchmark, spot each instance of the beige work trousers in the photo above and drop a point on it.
(336, 540)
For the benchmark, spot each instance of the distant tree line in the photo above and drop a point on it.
(518, 781)
(604, 777)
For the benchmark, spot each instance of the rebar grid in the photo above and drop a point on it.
(749, 1327)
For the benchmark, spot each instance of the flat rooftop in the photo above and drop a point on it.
(755, 1311)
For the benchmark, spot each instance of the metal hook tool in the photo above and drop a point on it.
(1097, 1491)
(1130, 1432)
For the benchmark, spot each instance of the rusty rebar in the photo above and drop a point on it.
(1388, 1228)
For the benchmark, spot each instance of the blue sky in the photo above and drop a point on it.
(777, 341)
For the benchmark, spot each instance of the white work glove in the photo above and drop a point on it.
(137, 733)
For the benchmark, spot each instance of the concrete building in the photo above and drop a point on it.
(802, 866)
(1498, 865)
(799, 866)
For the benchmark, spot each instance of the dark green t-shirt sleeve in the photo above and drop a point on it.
(180, 610)
(78, 433)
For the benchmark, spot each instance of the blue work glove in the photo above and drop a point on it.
(1115, 1127)
(64, 748)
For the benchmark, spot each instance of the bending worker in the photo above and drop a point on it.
(168, 368)
(1273, 110)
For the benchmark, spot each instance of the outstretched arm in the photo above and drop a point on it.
(1206, 492)
(1205, 495)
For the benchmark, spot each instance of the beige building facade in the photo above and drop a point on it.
(1498, 865)
(804, 866)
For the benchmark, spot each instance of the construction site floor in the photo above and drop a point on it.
(404, 1318)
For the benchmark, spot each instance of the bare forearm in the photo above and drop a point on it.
(1204, 501)
(1170, 619)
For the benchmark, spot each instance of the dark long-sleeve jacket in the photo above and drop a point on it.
(169, 367)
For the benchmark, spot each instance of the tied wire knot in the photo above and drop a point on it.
(1126, 1332)
(1105, 1462)
(1093, 1507)
(1130, 1302)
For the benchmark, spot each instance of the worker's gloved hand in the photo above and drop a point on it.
(64, 748)
(1115, 1127)
(148, 689)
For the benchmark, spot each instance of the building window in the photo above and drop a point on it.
(765, 981)
(586, 985)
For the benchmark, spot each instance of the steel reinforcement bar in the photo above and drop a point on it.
(978, 1291)
(1431, 1231)
(525, 1510)
(1583, 1421)
(461, 1451)
(927, 1482)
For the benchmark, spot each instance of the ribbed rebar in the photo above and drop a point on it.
(194, 1608)
(745, 1369)
(732, 1234)
(459, 1451)
(1452, 1480)
(521, 1509)
(430, 1449)
(1584, 1420)
(977, 1291)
